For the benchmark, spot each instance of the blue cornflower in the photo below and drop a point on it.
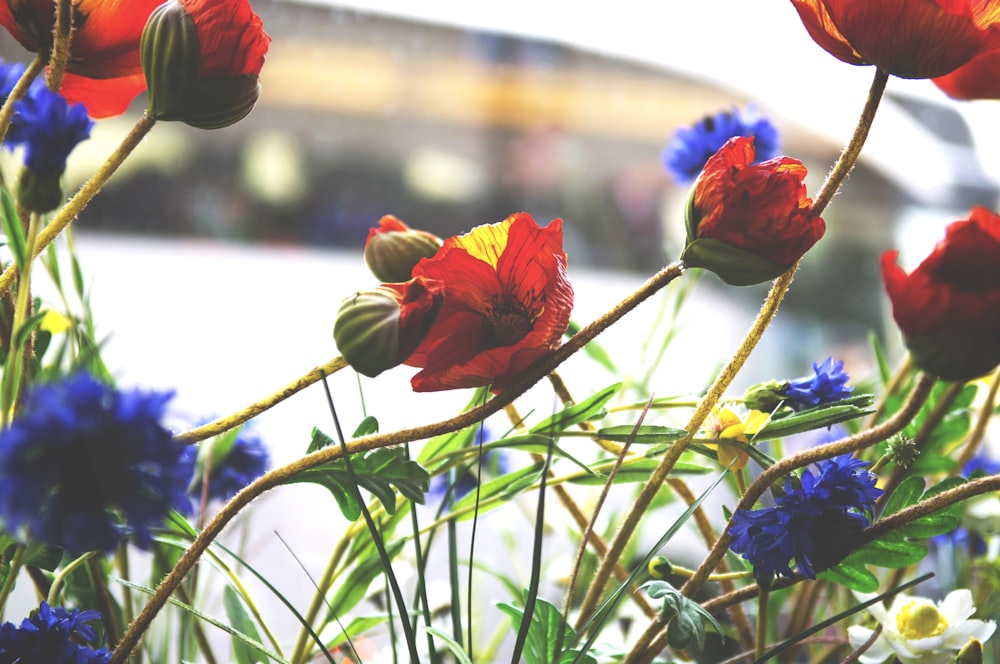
(812, 523)
(85, 465)
(237, 459)
(10, 74)
(53, 636)
(690, 147)
(827, 385)
(49, 128)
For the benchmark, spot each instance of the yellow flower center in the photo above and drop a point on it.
(919, 619)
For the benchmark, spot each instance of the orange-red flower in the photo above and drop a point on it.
(948, 308)
(507, 303)
(103, 72)
(202, 59)
(749, 222)
(907, 38)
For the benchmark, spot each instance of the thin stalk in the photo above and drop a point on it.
(22, 310)
(59, 578)
(455, 601)
(421, 592)
(91, 188)
(224, 424)
(62, 35)
(833, 181)
(760, 644)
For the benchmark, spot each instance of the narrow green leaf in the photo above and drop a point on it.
(635, 471)
(240, 620)
(22, 333)
(354, 586)
(580, 412)
(647, 434)
(451, 644)
(367, 427)
(818, 417)
(52, 265)
(593, 349)
(77, 276)
(884, 371)
(493, 493)
(12, 229)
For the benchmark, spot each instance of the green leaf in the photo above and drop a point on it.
(903, 546)
(449, 442)
(647, 434)
(884, 371)
(319, 441)
(377, 471)
(580, 412)
(634, 471)
(543, 633)
(240, 620)
(451, 644)
(686, 620)
(355, 585)
(593, 349)
(367, 427)
(22, 333)
(77, 276)
(493, 493)
(818, 417)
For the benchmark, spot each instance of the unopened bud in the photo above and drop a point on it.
(393, 249)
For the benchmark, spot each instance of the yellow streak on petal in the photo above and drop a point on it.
(486, 242)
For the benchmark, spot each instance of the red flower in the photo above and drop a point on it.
(948, 309)
(378, 329)
(980, 79)
(749, 223)
(202, 59)
(507, 303)
(393, 249)
(103, 72)
(907, 38)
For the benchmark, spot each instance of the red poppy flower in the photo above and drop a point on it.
(948, 308)
(907, 38)
(748, 222)
(393, 249)
(980, 79)
(507, 303)
(103, 72)
(202, 59)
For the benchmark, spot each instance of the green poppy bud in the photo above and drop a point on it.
(393, 249)
(767, 396)
(379, 329)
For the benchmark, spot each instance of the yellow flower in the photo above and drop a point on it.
(734, 425)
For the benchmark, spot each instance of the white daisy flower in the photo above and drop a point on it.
(918, 631)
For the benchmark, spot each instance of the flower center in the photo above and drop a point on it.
(510, 320)
(919, 619)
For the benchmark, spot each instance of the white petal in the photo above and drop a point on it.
(957, 606)
(970, 629)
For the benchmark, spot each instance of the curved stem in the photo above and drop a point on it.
(75, 205)
(62, 31)
(253, 410)
(60, 577)
(276, 477)
(979, 430)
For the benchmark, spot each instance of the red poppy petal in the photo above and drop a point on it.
(821, 28)
(104, 98)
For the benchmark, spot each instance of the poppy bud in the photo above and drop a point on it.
(202, 60)
(948, 308)
(380, 328)
(393, 249)
(749, 222)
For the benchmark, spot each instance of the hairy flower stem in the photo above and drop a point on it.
(75, 205)
(280, 475)
(833, 181)
(224, 424)
(62, 31)
(20, 89)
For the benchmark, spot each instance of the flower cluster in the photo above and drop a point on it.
(482, 309)
(85, 465)
(690, 147)
(812, 523)
(52, 635)
(917, 631)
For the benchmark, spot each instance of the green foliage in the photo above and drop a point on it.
(785, 422)
(586, 410)
(593, 349)
(242, 623)
(647, 434)
(543, 633)
(354, 586)
(377, 471)
(12, 229)
(901, 547)
(685, 619)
